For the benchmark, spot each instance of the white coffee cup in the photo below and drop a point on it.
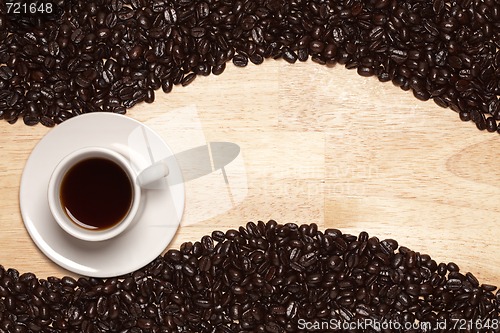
(138, 180)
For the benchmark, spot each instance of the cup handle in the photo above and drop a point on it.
(153, 173)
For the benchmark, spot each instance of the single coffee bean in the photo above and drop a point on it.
(188, 79)
(240, 60)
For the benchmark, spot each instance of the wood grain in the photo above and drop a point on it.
(317, 144)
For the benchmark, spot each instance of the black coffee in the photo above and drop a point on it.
(96, 193)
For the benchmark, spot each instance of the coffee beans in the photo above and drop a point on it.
(262, 277)
(110, 55)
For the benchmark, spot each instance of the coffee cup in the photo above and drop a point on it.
(94, 193)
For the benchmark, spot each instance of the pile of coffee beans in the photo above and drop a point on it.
(108, 55)
(264, 277)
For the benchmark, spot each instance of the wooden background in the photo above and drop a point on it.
(320, 145)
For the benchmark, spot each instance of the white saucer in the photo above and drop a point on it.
(154, 226)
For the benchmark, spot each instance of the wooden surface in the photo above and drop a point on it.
(320, 145)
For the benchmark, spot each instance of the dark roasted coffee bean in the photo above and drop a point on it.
(47, 121)
(30, 120)
(452, 267)
(376, 33)
(453, 284)
(398, 56)
(365, 71)
(422, 95)
(83, 81)
(205, 264)
(219, 69)
(413, 289)
(488, 287)
(218, 236)
(188, 79)
(6, 73)
(150, 96)
(491, 124)
(335, 262)
(136, 52)
(289, 56)
(198, 32)
(240, 60)
(77, 35)
(465, 115)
